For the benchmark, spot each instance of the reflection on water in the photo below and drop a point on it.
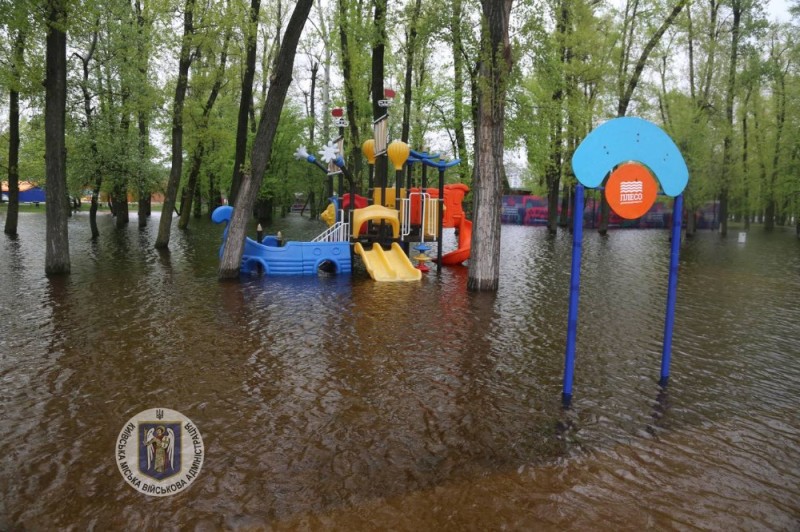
(339, 402)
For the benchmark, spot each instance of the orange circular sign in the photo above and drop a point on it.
(631, 190)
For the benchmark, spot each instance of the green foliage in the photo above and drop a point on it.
(564, 80)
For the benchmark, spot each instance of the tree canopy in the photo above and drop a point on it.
(720, 77)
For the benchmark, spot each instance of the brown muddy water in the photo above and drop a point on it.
(341, 403)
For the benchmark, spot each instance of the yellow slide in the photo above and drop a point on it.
(391, 265)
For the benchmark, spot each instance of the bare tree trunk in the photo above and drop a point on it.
(484, 266)
(349, 84)
(745, 209)
(727, 143)
(191, 186)
(377, 86)
(411, 44)
(144, 190)
(165, 224)
(57, 238)
(202, 128)
(458, 90)
(779, 92)
(142, 186)
(12, 215)
(262, 145)
(625, 97)
(121, 182)
(554, 170)
(312, 126)
(626, 89)
(246, 100)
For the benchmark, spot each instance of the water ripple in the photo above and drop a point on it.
(332, 402)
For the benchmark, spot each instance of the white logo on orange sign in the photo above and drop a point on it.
(631, 192)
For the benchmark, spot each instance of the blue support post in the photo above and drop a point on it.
(574, 292)
(672, 288)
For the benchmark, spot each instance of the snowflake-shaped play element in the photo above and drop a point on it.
(329, 152)
(301, 154)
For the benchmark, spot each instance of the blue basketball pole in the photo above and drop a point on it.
(672, 288)
(574, 292)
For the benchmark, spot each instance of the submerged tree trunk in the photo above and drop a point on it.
(202, 128)
(12, 214)
(142, 186)
(57, 239)
(779, 90)
(262, 145)
(727, 143)
(484, 266)
(555, 168)
(165, 225)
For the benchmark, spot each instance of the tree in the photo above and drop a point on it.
(262, 145)
(496, 62)
(727, 154)
(57, 239)
(202, 131)
(251, 34)
(628, 80)
(13, 132)
(459, 57)
(185, 61)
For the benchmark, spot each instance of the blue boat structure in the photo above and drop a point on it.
(328, 252)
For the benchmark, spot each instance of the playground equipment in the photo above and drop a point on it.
(629, 152)
(389, 219)
(378, 228)
(293, 258)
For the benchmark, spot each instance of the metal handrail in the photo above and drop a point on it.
(338, 232)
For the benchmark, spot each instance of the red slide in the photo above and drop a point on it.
(464, 243)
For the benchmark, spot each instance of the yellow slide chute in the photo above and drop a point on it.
(388, 264)
(385, 265)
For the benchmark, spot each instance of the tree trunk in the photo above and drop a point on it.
(377, 85)
(349, 84)
(411, 44)
(12, 215)
(745, 209)
(262, 145)
(246, 100)
(165, 224)
(57, 238)
(144, 190)
(121, 182)
(563, 216)
(143, 186)
(555, 169)
(727, 143)
(625, 97)
(191, 186)
(484, 266)
(626, 89)
(458, 90)
(197, 206)
(202, 128)
(779, 92)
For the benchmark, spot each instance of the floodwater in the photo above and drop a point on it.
(340, 403)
